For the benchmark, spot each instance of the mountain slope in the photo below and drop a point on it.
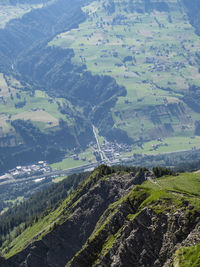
(129, 68)
(146, 227)
(109, 221)
(68, 220)
(145, 46)
(73, 98)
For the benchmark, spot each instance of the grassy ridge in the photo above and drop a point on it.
(165, 194)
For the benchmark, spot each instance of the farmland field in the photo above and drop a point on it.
(83, 158)
(68, 163)
(39, 108)
(166, 145)
(152, 54)
(8, 13)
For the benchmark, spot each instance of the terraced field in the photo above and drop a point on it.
(153, 55)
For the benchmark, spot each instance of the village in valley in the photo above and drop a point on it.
(38, 168)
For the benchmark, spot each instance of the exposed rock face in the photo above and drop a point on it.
(61, 244)
(112, 222)
(149, 240)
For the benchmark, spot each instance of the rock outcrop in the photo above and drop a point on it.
(112, 221)
(58, 246)
(149, 239)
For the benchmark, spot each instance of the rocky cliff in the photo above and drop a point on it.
(112, 220)
(56, 244)
(143, 238)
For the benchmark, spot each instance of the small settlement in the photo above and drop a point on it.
(26, 171)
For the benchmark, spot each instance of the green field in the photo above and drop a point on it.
(152, 54)
(84, 158)
(166, 145)
(162, 51)
(68, 163)
(9, 12)
(39, 108)
(59, 179)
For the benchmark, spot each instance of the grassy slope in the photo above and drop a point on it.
(45, 223)
(188, 256)
(41, 109)
(165, 195)
(9, 12)
(140, 36)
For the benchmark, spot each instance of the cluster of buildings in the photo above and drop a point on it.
(163, 66)
(111, 151)
(35, 169)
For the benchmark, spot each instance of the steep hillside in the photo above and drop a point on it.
(128, 68)
(27, 210)
(148, 227)
(89, 201)
(109, 221)
(19, 101)
(151, 49)
(73, 98)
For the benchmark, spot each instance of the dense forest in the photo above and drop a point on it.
(22, 215)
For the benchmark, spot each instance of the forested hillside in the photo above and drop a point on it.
(16, 219)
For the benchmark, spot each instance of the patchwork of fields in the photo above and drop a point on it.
(17, 103)
(153, 55)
